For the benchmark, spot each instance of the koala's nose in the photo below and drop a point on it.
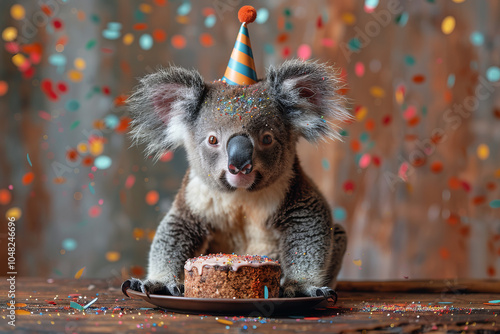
(239, 152)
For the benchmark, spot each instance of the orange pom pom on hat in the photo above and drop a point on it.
(241, 67)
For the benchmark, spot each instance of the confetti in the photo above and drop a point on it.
(493, 74)
(69, 244)
(17, 12)
(477, 38)
(266, 292)
(483, 151)
(495, 204)
(76, 306)
(28, 158)
(28, 178)
(95, 211)
(448, 25)
(178, 41)
(304, 52)
(152, 197)
(79, 273)
(224, 322)
(13, 212)
(146, 42)
(339, 214)
(9, 34)
(4, 87)
(103, 162)
(5, 197)
(357, 262)
(113, 256)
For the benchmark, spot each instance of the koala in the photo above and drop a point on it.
(244, 191)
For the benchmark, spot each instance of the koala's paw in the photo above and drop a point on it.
(326, 292)
(294, 290)
(153, 286)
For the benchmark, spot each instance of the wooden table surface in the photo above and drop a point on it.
(43, 306)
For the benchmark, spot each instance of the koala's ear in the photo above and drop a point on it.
(162, 107)
(307, 94)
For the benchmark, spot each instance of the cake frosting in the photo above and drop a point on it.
(232, 261)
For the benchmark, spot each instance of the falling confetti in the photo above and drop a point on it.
(13, 212)
(79, 273)
(448, 25)
(152, 197)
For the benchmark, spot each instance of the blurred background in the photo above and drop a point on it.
(415, 180)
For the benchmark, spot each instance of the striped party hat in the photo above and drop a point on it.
(241, 68)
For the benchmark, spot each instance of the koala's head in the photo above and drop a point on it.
(237, 136)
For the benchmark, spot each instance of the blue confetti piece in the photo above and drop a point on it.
(116, 26)
(111, 121)
(210, 21)
(493, 74)
(89, 304)
(339, 214)
(266, 292)
(57, 59)
(184, 9)
(76, 306)
(495, 204)
(262, 15)
(92, 191)
(146, 42)
(445, 303)
(72, 105)
(451, 80)
(477, 38)
(29, 161)
(111, 34)
(102, 162)
(326, 164)
(69, 244)
(494, 301)
(402, 19)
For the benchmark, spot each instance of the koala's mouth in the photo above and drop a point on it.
(241, 181)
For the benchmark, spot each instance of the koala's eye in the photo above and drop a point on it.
(212, 140)
(267, 139)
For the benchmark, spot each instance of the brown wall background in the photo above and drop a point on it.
(438, 219)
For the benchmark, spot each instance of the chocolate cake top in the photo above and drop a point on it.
(228, 260)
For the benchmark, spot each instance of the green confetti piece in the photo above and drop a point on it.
(354, 44)
(74, 125)
(76, 306)
(94, 18)
(57, 272)
(495, 204)
(287, 12)
(90, 44)
(409, 60)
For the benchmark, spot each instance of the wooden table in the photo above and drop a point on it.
(403, 306)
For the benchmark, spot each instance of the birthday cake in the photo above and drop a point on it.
(231, 276)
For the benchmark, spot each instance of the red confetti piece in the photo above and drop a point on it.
(355, 145)
(57, 23)
(319, 22)
(386, 120)
(418, 79)
(454, 183)
(167, 156)
(62, 87)
(453, 219)
(348, 186)
(159, 35)
(206, 40)
(130, 181)
(46, 87)
(123, 125)
(46, 9)
(28, 178)
(437, 167)
(444, 253)
(282, 38)
(88, 161)
(72, 155)
(106, 90)
(95, 211)
(140, 26)
(478, 200)
(376, 160)
(370, 125)
(152, 197)
(491, 271)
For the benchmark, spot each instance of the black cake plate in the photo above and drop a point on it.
(248, 307)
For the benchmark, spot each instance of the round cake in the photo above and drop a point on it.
(231, 276)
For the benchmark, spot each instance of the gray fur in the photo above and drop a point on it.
(297, 99)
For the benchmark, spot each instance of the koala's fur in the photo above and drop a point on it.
(281, 214)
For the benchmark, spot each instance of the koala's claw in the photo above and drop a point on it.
(151, 286)
(328, 293)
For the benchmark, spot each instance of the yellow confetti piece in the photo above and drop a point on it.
(112, 256)
(79, 273)
(82, 148)
(18, 59)
(357, 262)
(497, 173)
(128, 39)
(448, 25)
(23, 312)
(145, 8)
(17, 12)
(458, 1)
(75, 75)
(348, 18)
(483, 151)
(225, 322)
(80, 64)
(361, 114)
(9, 34)
(96, 147)
(13, 212)
(377, 91)
(400, 96)
(182, 19)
